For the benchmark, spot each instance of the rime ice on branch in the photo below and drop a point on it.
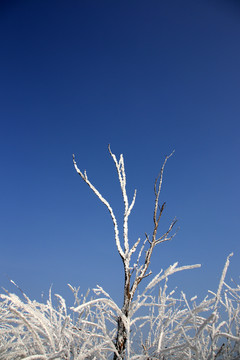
(134, 274)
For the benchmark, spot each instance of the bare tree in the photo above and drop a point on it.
(172, 328)
(133, 273)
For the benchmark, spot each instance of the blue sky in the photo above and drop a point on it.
(147, 77)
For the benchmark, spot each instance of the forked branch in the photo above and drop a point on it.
(106, 203)
(133, 274)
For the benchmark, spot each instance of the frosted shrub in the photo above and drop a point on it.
(32, 330)
(182, 329)
(161, 325)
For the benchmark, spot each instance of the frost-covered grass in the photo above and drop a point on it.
(161, 325)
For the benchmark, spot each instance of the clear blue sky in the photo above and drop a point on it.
(147, 77)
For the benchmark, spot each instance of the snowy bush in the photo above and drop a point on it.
(160, 326)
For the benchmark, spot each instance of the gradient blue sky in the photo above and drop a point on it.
(147, 77)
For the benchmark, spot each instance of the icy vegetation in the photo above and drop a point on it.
(160, 325)
(155, 323)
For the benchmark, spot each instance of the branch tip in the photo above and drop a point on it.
(168, 156)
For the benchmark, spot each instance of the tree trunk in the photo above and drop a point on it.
(121, 340)
(122, 332)
(122, 335)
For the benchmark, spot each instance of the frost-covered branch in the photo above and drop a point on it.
(105, 202)
(122, 179)
(134, 273)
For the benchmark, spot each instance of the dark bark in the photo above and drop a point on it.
(121, 340)
(122, 336)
